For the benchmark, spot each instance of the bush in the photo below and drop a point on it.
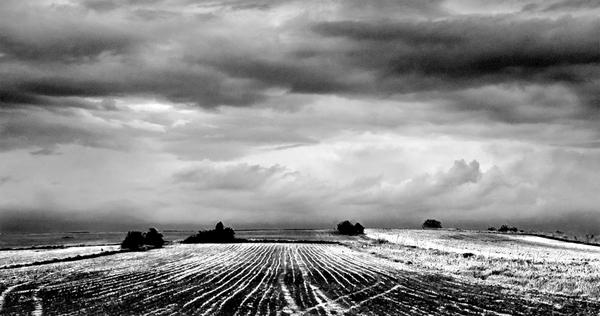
(431, 223)
(347, 228)
(133, 241)
(506, 228)
(154, 238)
(220, 234)
(136, 240)
(492, 228)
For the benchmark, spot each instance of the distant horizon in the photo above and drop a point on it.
(273, 227)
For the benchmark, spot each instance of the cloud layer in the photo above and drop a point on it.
(301, 113)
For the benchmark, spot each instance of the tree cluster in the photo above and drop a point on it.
(506, 228)
(431, 223)
(220, 234)
(136, 240)
(347, 228)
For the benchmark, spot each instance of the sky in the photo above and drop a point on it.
(299, 113)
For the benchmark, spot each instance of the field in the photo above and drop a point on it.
(358, 276)
(518, 261)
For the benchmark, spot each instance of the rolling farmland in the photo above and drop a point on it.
(260, 279)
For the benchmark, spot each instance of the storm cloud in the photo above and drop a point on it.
(288, 113)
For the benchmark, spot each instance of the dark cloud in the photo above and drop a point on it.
(470, 50)
(563, 5)
(190, 59)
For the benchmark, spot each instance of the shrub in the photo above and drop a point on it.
(506, 228)
(347, 228)
(431, 223)
(492, 228)
(133, 241)
(154, 238)
(220, 234)
(136, 240)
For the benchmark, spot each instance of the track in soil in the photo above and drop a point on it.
(259, 279)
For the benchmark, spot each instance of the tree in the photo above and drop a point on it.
(220, 234)
(133, 241)
(347, 228)
(154, 238)
(136, 240)
(431, 223)
(359, 229)
(228, 234)
(506, 228)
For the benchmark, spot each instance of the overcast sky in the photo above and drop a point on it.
(299, 113)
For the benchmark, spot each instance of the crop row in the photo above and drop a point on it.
(258, 279)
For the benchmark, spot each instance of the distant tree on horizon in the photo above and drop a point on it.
(220, 234)
(136, 240)
(431, 223)
(154, 238)
(347, 228)
(506, 228)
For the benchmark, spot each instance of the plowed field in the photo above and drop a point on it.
(259, 279)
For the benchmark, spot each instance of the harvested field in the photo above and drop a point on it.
(260, 279)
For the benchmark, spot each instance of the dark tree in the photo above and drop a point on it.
(347, 228)
(133, 241)
(431, 223)
(220, 234)
(228, 234)
(359, 229)
(154, 238)
(506, 228)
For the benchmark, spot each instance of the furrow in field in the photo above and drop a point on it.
(233, 276)
(324, 304)
(305, 275)
(290, 308)
(171, 284)
(6, 292)
(129, 287)
(319, 297)
(218, 275)
(253, 300)
(329, 264)
(235, 292)
(336, 285)
(347, 270)
(37, 304)
(355, 306)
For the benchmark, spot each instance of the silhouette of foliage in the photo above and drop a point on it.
(154, 238)
(506, 228)
(431, 223)
(220, 234)
(136, 240)
(347, 228)
(133, 241)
